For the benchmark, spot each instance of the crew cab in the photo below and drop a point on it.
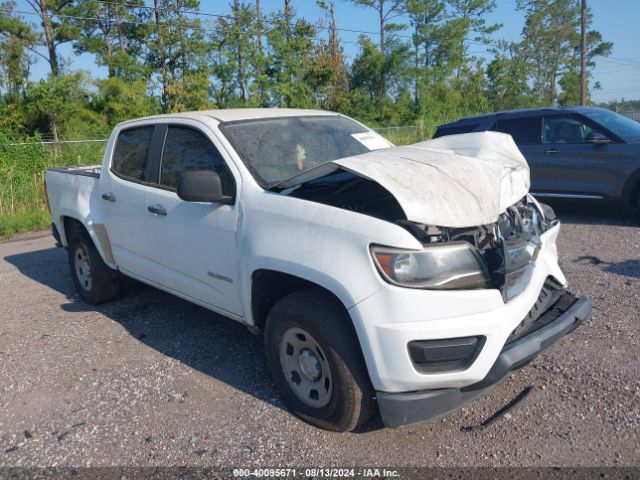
(405, 280)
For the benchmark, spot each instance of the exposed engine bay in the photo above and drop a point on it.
(506, 247)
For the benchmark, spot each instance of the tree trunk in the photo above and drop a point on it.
(162, 58)
(383, 80)
(583, 52)
(48, 34)
(259, 53)
(121, 35)
(239, 54)
(105, 26)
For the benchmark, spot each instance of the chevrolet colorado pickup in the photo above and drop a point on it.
(405, 280)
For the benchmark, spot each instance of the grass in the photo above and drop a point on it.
(11, 224)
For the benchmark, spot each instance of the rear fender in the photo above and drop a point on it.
(97, 232)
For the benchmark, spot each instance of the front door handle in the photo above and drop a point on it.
(157, 209)
(551, 151)
(109, 197)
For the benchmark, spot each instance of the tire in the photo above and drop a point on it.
(311, 345)
(95, 281)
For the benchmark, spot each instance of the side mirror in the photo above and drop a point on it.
(597, 138)
(202, 186)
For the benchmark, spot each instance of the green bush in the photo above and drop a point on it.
(23, 163)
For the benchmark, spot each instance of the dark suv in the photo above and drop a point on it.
(574, 152)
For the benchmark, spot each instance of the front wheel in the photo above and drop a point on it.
(316, 362)
(95, 281)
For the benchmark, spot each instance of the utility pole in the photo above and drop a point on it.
(583, 52)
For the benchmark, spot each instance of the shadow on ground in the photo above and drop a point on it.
(199, 338)
(626, 268)
(585, 214)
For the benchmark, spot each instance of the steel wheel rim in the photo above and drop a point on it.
(305, 367)
(83, 269)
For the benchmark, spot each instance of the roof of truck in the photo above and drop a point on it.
(234, 114)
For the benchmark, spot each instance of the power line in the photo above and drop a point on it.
(232, 17)
(213, 30)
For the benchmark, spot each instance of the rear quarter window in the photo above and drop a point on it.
(524, 131)
(130, 153)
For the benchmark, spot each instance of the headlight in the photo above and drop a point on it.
(445, 266)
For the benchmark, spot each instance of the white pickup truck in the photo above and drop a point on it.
(407, 280)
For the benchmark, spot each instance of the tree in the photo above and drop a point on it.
(570, 80)
(56, 28)
(551, 46)
(118, 100)
(386, 10)
(291, 42)
(436, 40)
(508, 86)
(237, 61)
(177, 48)
(53, 103)
(549, 36)
(328, 76)
(373, 72)
(17, 38)
(113, 32)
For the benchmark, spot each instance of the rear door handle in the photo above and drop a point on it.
(551, 151)
(109, 197)
(157, 209)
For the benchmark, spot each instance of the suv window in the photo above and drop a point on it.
(130, 153)
(187, 149)
(564, 129)
(523, 130)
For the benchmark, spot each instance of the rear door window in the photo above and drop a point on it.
(186, 149)
(523, 130)
(131, 152)
(564, 129)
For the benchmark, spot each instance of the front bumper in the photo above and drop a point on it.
(393, 317)
(400, 409)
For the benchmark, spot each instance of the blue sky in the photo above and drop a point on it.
(617, 21)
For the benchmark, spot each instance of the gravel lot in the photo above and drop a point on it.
(151, 380)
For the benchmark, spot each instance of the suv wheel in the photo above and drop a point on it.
(95, 281)
(316, 362)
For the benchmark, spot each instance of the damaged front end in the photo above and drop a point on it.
(502, 250)
(463, 197)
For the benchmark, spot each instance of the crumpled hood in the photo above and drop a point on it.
(461, 180)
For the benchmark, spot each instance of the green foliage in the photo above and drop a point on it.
(21, 188)
(23, 162)
(16, 38)
(118, 100)
(508, 86)
(60, 104)
(111, 32)
(291, 40)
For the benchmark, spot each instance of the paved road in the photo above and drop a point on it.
(153, 380)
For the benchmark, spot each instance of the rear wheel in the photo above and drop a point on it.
(95, 281)
(316, 362)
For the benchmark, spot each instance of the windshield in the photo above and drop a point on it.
(276, 149)
(624, 127)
